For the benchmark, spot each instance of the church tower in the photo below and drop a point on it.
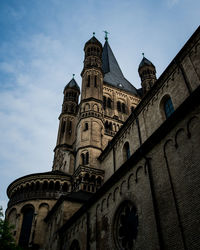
(90, 125)
(147, 72)
(67, 128)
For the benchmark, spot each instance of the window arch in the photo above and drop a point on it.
(85, 158)
(126, 151)
(28, 213)
(168, 107)
(119, 106)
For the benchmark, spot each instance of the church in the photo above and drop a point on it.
(126, 169)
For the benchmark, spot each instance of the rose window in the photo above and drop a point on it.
(126, 226)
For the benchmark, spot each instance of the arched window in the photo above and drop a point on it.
(28, 212)
(87, 158)
(119, 106)
(123, 108)
(109, 102)
(126, 151)
(86, 126)
(88, 81)
(82, 159)
(168, 107)
(95, 81)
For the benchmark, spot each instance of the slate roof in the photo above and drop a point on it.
(72, 84)
(112, 72)
(144, 62)
(93, 40)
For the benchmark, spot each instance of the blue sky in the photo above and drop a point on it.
(41, 46)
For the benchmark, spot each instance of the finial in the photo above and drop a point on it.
(106, 35)
(143, 54)
(73, 75)
(93, 33)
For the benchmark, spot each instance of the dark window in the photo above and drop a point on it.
(119, 106)
(126, 151)
(123, 108)
(86, 126)
(168, 107)
(109, 103)
(87, 158)
(132, 109)
(75, 245)
(88, 81)
(126, 226)
(26, 226)
(95, 81)
(83, 159)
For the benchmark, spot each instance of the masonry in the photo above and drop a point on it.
(126, 171)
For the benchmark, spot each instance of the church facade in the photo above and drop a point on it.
(126, 170)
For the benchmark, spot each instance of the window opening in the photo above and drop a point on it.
(88, 82)
(95, 81)
(119, 106)
(168, 107)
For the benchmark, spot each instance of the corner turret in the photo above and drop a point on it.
(147, 72)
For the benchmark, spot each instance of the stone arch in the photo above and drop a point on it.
(139, 169)
(115, 193)
(87, 107)
(190, 125)
(109, 198)
(103, 204)
(95, 107)
(122, 186)
(131, 176)
(178, 134)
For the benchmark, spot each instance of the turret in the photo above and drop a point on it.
(147, 72)
(67, 128)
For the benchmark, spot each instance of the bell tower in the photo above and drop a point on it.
(147, 72)
(67, 128)
(90, 127)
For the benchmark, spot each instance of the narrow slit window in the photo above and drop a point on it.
(88, 81)
(95, 81)
(168, 107)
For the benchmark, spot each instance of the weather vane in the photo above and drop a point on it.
(106, 35)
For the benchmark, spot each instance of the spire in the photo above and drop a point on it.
(146, 62)
(112, 72)
(72, 84)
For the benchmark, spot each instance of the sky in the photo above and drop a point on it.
(41, 46)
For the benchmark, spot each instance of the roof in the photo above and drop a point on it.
(72, 84)
(112, 72)
(93, 40)
(145, 62)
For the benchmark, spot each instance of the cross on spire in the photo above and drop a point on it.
(106, 35)
(73, 75)
(143, 54)
(93, 33)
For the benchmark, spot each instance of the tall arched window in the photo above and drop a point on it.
(168, 107)
(87, 158)
(95, 81)
(119, 106)
(109, 103)
(82, 159)
(126, 151)
(123, 108)
(28, 212)
(88, 81)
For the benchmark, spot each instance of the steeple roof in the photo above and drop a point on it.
(72, 84)
(144, 62)
(93, 40)
(112, 72)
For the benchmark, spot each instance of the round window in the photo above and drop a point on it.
(125, 226)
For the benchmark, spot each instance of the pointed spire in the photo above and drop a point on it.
(72, 84)
(144, 62)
